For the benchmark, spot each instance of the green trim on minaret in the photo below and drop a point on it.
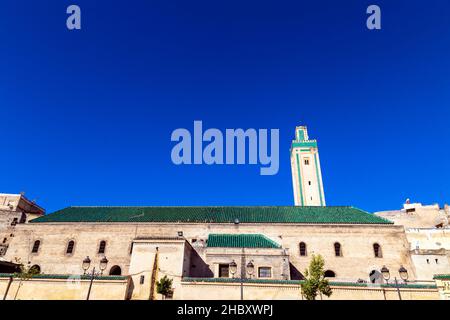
(310, 143)
(318, 179)
(300, 134)
(300, 179)
(308, 173)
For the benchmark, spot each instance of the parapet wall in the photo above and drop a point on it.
(287, 290)
(60, 287)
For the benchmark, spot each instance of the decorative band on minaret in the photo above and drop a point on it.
(306, 172)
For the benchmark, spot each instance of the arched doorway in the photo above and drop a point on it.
(115, 271)
(35, 269)
(330, 274)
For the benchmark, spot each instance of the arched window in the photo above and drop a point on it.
(330, 274)
(36, 245)
(337, 249)
(102, 246)
(36, 269)
(115, 271)
(70, 246)
(303, 252)
(377, 250)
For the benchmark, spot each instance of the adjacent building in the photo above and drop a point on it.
(15, 209)
(428, 234)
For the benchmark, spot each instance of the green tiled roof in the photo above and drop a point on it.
(442, 276)
(241, 241)
(287, 214)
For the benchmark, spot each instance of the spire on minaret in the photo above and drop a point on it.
(306, 172)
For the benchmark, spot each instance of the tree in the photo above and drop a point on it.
(164, 286)
(25, 273)
(315, 281)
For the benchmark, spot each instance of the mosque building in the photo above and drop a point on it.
(211, 252)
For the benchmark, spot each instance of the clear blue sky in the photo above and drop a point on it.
(86, 116)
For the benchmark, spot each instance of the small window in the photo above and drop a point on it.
(265, 272)
(4, 240)
(437, 261)
(428, 261)
(224, 271)
(303, 252)
(180, 233)
(306, 161)
(70, 246)
(377, 250)
(337, 249)
(36, 245)
(142, 280)
(309, 182)
(102, 247)
(194, 240)
(14, 222)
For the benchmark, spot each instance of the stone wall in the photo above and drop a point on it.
(231, 291)
(119, 289)
(357, 241)
(63, 289)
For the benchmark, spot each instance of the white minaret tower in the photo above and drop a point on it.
(306, 172)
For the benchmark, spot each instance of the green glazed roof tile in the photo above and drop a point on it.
(442, 276)
(240, 241)
(257, 214)
(298, 282)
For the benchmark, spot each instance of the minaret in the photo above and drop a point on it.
(306, 172)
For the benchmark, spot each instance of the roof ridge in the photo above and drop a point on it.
(214, 214)
(206, 206)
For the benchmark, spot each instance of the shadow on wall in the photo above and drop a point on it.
(295, 274)
(198, 267)
(129, 292)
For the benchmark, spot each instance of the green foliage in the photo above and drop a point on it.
(24, 272)
(164, 286)
(315, 281)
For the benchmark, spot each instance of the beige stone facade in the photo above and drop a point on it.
(72, 288)
(133, 247)
(262, 291)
